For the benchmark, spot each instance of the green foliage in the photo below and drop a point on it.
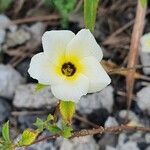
(90, 10)
(64, 7)
(28, 137)
(67, 110)
(4, 4)
(5, 142)
(5, 132)
(40, 87)
(65, 129)
(39, 124)
(50, 117)
(144, 2)
(54, 129)
(6, 146)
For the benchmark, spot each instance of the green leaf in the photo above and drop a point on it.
(4, 4)
(67, 130)
(67, 110)
(64, 7)
(6, 146)
(50, 117)
(5, 142)
(54, 129)
(144, 3)
(40, 87)
(5, 132)
(28, 137)
(90, 10)
(39, 124)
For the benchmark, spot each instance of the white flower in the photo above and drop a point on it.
(145, 43)
(70, 64)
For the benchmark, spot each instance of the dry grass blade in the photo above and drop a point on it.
(133, 53)
(31, 19)
(113, 68)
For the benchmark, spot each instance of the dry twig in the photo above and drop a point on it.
(100, 130)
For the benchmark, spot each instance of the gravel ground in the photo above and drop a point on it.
(22, 105)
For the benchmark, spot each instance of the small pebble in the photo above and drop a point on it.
(9, 80)
(27, 97)
(143, 99)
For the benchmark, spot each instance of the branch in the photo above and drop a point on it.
(114, 130)
(100, 130)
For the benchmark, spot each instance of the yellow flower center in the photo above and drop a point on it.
(68, 69)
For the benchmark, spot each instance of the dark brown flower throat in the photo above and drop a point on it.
(68, 69)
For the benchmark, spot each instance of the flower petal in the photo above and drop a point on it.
(98, 78)
(84, 44)
(42, 69)
(71, 91)
(55, 42)
(39, 67)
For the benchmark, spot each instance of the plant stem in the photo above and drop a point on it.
(100, 130)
